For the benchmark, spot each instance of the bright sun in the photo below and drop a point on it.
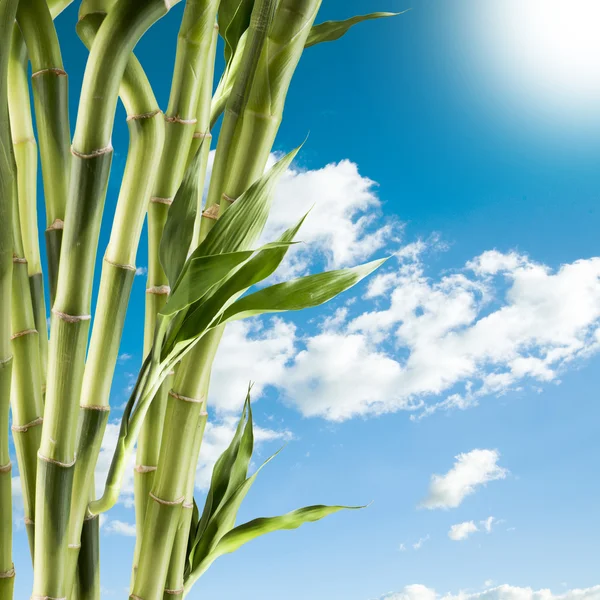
(548, 49)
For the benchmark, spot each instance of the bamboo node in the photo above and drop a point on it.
(6, 468)
(119, 265)
(6, 361)
(133, 596)
(188, 505)
(159, 200)
(8, 574)
(228, 198)
(47, 598)
(186, 398)
(93, 153)
(25, 140)
(56, 462)
(19, 259)
(174, 592)
(52, 70)
(57, 224)
(97, 407)
(28, 521)
(180, 120)
(212, 212)
(19, 334)
(159, 290)
(203, 413)
(27, 426)
(144, 469)
(71, 318)
(166, 502)
(147, 115)
(74, 546)
(201, 135)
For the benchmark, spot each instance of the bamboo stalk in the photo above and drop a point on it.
(174, 581)
(238, 168)
(172, 475)
(26, 390)
(50, 94)
(8, 10)
(25, 149)
(194, 62)
(92, 154)
(146, 134)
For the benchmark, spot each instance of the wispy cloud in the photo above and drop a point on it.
(470, 471)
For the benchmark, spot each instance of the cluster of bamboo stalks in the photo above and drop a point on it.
(202, 262)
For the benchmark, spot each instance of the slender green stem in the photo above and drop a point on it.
(146, 134)
(92, 152)
(25, 149)
(8, 186)
(172, 475)
(50, 94)
(26, 391)
(194, 62)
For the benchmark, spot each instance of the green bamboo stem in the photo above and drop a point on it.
(146, 135)
(8, 10)
(172, 475)
(92, 152)
(50, 94)
(193, 61)
(262, 16)
(26, 390)
(25, 150)
(174, 582)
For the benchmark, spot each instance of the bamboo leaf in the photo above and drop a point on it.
(241, 225)
(247, 532)
(263, 264)
(334, 30)
(199, 276)
(179, 228)
(234, 20)
(304, 292)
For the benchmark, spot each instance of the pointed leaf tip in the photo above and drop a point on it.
(330, 31)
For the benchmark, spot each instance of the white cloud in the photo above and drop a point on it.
(141, 271)
(419, 544)
(119, 528)
(489, 523)
(440, 344)
(461, 531)
(412, 592)
(471, 470)
(502, 592)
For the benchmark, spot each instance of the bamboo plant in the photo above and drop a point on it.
(203, 269)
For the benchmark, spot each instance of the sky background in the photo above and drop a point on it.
(460, 384)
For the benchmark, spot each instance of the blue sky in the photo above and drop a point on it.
(464, 137)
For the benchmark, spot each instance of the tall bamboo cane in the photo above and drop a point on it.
(194, 62)
(26, 391)
(146, 134)
(50, 94)
(25, 149)
(8, 10)
(92, 153)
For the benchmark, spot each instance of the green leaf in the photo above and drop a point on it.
(242, 223)
(179, 228)
(304, 292)
(334, 30)
(247, 532)
(263, 264)
(199, 276)
(233, 19)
